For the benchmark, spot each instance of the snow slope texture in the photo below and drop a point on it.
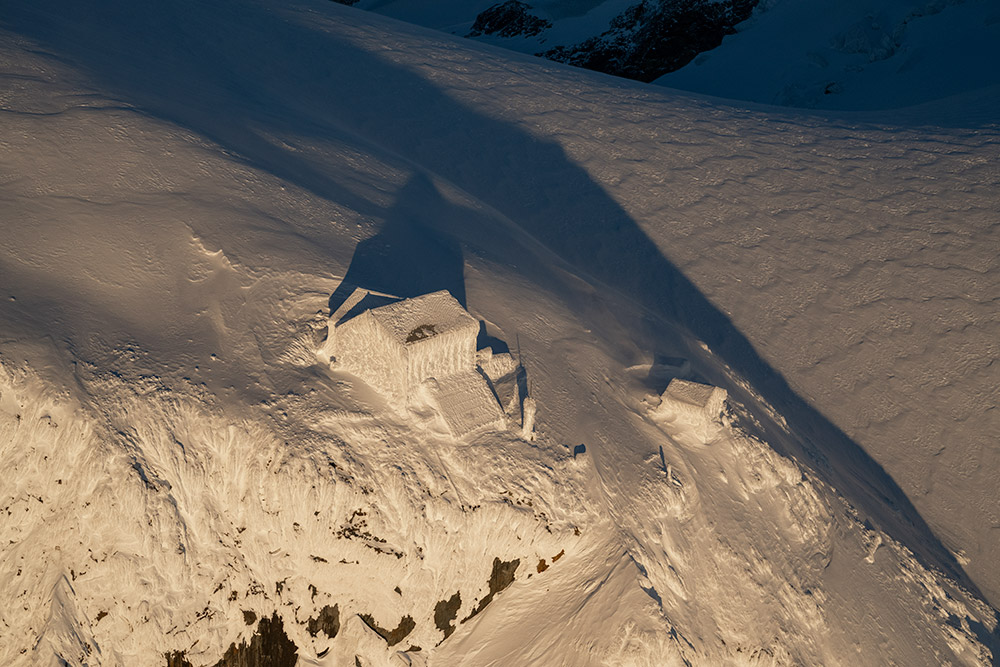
(856, 54)
(185, 186)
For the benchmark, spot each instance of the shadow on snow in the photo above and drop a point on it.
(261, 71)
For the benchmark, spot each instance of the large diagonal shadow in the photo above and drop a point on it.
(225, 69)
(408, 256)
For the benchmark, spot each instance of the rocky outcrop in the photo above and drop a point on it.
(445, 613)
(391, 637)
(501, 577)
(508, 19)
(654, 37)
(328, 622)
(269, 647)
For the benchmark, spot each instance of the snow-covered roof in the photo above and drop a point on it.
(413, 320)
(466, 403)
(691, 392)
(358, 302)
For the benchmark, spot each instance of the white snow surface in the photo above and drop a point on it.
(183, 185)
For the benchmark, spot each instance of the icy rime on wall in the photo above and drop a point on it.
(364, 348)
(444, 354)
(396, 347)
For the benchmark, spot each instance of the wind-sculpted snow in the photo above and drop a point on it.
(181, 198)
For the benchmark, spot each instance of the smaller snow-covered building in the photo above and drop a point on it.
(397, 348)
(698, 405)
(692, 400)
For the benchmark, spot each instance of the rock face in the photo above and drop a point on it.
(269, 647)
(654, 37)
(508, 19)
(642, 40)
(501, 577)
(328, 622)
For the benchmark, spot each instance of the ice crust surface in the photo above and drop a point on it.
(183, 187)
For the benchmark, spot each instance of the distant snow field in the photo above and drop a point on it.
(739, 362)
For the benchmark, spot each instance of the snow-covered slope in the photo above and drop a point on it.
(184, 187)
(637, 39)
(856, 54)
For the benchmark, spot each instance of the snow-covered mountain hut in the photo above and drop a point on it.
(699, 405)
(397, 348)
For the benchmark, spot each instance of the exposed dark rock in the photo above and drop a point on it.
(269, 647)
(328, 621)
(177, 659)
(249, 617)
(391, 637)
(445, 613)
(654, 37)
(349, 3)
(508, 19)
(501, 577)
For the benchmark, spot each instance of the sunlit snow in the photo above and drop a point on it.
(186, 186)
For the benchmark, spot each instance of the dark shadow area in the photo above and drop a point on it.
(408, 257)
(666, 368)
(225, 69)
(369, 301)
(484, 339)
